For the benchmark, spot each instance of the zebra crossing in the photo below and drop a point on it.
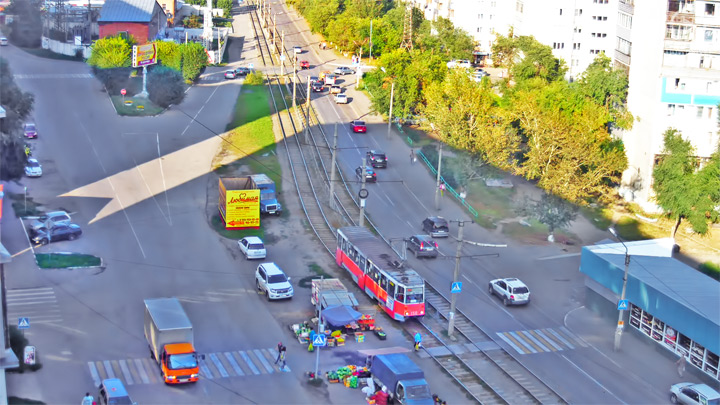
(241, 363)
(21, 76)
(38, 304)
(542, 340)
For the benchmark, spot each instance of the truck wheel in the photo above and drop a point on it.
(267, 294)
(257, 285)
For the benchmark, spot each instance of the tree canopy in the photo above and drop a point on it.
(18, 106)
(111, 52)
(26, 27)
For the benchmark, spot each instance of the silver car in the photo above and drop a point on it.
(252, 247)
(691, 394)
(49, 220)
(33, 168)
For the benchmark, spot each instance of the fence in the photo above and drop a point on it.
(65, 48)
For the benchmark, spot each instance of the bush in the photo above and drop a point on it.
(711, 269)
(194, 60)
(113, 79)
(165, 86)
(254, 78)
(168, 54)
(431, 154)
(111, 52)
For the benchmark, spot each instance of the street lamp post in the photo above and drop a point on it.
(621, 312)
(392, 97)
(437, 181)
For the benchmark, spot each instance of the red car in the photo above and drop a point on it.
(304, 64)
(358, 126)
(30, 131)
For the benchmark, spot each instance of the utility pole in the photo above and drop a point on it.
(332, 170)
(392, 97)
(307, 114)
(282, 51)
(437, 181)
(456, 276)
(371, 40)
(621, 312)
(273, 31)
(294, 82)
(363, 192)
(320, 330)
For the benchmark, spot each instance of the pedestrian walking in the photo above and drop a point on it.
(418, 341)
(88, 400)
(442, 189)
(279, 352)
(681, 365)
(282, 357)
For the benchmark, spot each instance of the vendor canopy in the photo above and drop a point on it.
(340, 315)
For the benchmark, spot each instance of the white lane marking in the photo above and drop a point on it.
(204, 369)
(94, 373)
(264, 362)
(147, 186)
(234, 364)
(108, 369)
(559, 256)
(162, 173)
(198, 112)
(468, 280)
(522, 341)
(594, 380)
(141, 370)
(126, 372)
(219, 365)
(510, 342)
(548, 339)
(249, 362)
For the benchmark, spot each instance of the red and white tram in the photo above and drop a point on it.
(375, 267)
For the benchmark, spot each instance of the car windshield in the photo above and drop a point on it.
(256, 246)
(120, 401)
(379, 156)
(520, 290)
(360, 123)
(268, 195)
(417, 392)
(181, 361)
(277, 278)
(29, 127)
(33, 164)
(414, 295)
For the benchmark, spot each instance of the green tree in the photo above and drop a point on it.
(111, 52)
(194, 60)
(505, 51)
(17, 105)
(682, 189)
(443, 37)
(551, 210)
(526, 59)
(26, 27)
(168, 54)
(226, 5)
(165, 86)
(607, 87)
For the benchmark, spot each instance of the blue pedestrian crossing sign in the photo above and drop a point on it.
(456, 287)
(23, 323)
(622, 305)
(320, 341)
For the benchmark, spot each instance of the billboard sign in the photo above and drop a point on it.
(144, 55)
(239, 206)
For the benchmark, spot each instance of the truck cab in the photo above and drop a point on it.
(268, 198)
(405, 381)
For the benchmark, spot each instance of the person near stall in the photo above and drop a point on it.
(381, 397)
(369, 391)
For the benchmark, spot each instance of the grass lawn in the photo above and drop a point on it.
(492, 203)
(134, 109)
(24, 207)
(65, 260)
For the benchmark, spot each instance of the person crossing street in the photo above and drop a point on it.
(418, 341)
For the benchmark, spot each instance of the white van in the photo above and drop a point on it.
(272, 280)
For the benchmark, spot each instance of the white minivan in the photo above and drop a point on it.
(270, 278)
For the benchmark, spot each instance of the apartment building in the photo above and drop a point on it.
(672, 54)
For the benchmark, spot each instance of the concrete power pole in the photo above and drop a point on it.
(282, 51)
(392, 97)
(363, 192)
(332, 170)
(294, 84)
(307, 114)
(456, 276)
(437, 181)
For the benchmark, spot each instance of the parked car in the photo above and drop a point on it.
(459, 64)
(56, 233)
(317, 87)
(344, 70)
(358, 126)
(272, 280)
(341, 98)
(252, 247)
(33, 168)
(690, 393)
(437, 227)
(3, 41)
(30, 131)
(230, 74)
(304, 64)
(112, 392)
(242, 71)
(422, 246)
(330, 80)
(335, 89)
(297, 50)
(370, 175)
(49, 220)
(377, 158)
(510, 290)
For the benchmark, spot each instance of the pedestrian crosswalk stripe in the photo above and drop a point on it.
(204, 370)
(522, 342)
(141, 371)
(572, 336)
(537, 343)
(547, 339)
(234, 364)
(562, 339)
(38, 304)
(94, 373)
(126, 372)
(219, 365)
(108, 369)
(542, 340)
(263, 360)
(249, 362)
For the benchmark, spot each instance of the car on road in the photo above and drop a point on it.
(330, 80)
(459, 64)
(323, 74)
(335, 89)
(344, 70)
(437, 227)
(3, 41)
(304, 64)
(510, 290)
(270, 278)
(242, 71)
(370, 175)
(252, 247)
(43, 236)
(317, 87)
(358, 126)
(422, 246)
(691, 393)
(49, 220)
(341, 98)
(33, 168)
(230, 74)
(377, 158)
(113, 392)
(297, 50)
(30, 131)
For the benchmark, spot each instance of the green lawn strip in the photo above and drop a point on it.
(24, 207)
(149, 108)
(66, 260)
(711, 269)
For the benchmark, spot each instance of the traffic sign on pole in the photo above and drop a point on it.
(622, 305)
(456, 287)
(320, 341)
(23, 323)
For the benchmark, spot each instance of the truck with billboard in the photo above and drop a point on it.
(239, 203)
(268, 196)
(405, 381)
(169, 334)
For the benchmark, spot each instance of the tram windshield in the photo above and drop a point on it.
(414, 294)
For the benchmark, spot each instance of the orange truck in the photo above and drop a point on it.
(169, 334)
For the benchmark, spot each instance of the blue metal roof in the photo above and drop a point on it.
(682, 297)
(127, 11)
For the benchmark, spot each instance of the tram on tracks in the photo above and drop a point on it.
(379, 271)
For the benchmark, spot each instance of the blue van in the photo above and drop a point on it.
(113, 392)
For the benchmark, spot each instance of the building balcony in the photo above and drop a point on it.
(680, 17)
(677, 45)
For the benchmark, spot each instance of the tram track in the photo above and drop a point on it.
(486, 371)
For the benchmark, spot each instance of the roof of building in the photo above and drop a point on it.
(127, 11)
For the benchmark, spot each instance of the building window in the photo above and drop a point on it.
(576, 45)
(671, 109)
(578, 11)
(709, 9)
(682, 6)
(624, 20)
(599, 18)
(560, 11)
(699, 111)
(600, 1)
(624, 46)
(519, 6)
(599, 35)
(709, 112)
(577, 30)
(681, 32)
(708, 35)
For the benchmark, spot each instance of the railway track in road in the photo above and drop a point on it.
(487, 372)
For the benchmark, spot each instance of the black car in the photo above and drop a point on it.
(44, 236)
(369, 174)
(422, 246)
(377, 158)
(317, 87)
(437, 227)
(242, 71)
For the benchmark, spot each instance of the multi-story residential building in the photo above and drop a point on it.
(673, 57)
